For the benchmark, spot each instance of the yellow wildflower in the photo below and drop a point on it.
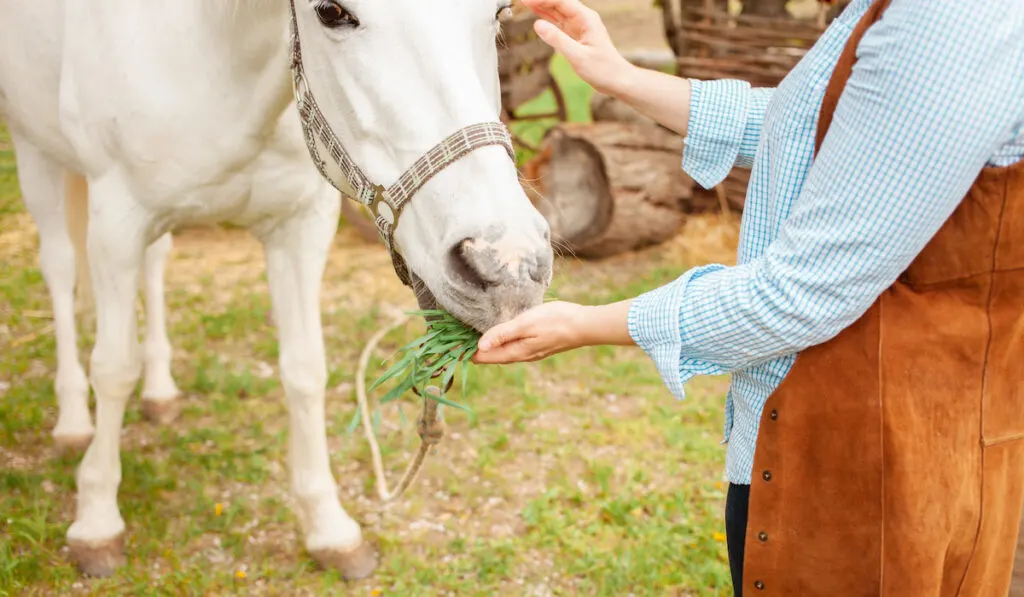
(720, 537)
(240, 574)
(218, 509)
(376, 593)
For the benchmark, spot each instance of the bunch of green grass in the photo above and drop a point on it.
(432, 359)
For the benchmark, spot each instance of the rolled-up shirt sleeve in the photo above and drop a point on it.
(724, 128)
(921, 115)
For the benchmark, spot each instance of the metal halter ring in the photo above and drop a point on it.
(390, 216)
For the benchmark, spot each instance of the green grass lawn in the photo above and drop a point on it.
(575, 476)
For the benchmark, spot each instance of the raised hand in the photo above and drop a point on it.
(577, 32)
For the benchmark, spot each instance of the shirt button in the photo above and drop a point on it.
(758, 585)
(762, 536)
(767, 475)
(773, 415)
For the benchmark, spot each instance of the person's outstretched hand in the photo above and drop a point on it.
(552, 328)
(576, 32)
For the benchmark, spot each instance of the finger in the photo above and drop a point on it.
(513, 352)
(571, 17)
(501, 334)
(562, 10)
(552, 16)
(557, 39)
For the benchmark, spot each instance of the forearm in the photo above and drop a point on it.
(604, 325)
(894, 167)
(720, 120)
(662, 97)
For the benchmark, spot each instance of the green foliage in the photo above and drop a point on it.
(447, 345)
(576, 93)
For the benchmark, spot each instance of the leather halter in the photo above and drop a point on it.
(385, 203)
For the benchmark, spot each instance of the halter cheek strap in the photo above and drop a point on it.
(385, 203)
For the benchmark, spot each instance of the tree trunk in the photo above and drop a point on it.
(609, 187)
(729, 195)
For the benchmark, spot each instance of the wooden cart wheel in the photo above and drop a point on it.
(524, 72)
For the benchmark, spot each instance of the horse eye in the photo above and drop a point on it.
(333, 15)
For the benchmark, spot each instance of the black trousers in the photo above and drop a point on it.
(737, 502)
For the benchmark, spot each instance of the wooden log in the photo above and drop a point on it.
(610, 187)
(605, 108)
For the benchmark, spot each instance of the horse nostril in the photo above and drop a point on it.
(484, 265)
(536, 273)
(471, 265)
(540, 267)
(545, 229)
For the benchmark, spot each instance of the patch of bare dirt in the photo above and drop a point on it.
(232, 258)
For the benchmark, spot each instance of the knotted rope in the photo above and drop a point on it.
(430, 426)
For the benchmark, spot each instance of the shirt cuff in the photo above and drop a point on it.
(716, 129)
(756, 109)
(654, 325)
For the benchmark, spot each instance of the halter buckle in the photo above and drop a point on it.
(388, 212)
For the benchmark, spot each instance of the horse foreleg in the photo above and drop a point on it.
(296, 253)
(42, 186)
(159, 392)
(116, 246)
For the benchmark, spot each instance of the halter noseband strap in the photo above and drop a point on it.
(385, 203)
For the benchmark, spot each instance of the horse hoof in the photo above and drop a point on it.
(161, 412)
(354, 564)
(72, 445)
(98, 559)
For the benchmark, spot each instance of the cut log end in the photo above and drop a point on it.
(610, 187)
(581, 204)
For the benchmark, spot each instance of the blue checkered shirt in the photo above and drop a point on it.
(937, 94)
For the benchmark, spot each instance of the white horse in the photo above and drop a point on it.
(182, 112)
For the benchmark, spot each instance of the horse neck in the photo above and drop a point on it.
(251, 38)
(253, 30)
(243, 13)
